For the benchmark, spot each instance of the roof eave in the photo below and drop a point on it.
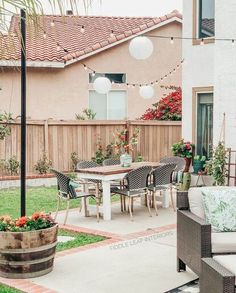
(35, 64)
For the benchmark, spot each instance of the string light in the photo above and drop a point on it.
(172, 40)
(44, 35)
(82, 30)
(233, 42)
(58, 47)
(85, 67)
(112, 34)
(52, 23)
(94, 73)
(202, 42)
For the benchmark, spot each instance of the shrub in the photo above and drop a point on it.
(168, 108)
(43, 164)
(12, 166)
(5, 128)
(103, 153)
(88, 114)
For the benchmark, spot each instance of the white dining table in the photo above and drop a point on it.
(110, 173)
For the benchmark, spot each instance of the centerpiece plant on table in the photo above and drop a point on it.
(123, 145)
(27, 245)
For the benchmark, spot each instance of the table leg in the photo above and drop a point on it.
(165, 199)
(106, 188)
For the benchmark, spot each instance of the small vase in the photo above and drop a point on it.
(125, 160)
(187, 164)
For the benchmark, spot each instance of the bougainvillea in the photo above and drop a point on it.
(168, 108)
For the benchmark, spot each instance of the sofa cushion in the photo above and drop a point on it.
(196, 202)
(220, 208)
(224, 242)
(228, 262)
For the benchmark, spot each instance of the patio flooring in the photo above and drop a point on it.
(139, 256)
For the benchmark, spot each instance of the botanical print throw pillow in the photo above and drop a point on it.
(220, 208)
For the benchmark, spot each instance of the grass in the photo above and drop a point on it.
(6, 289)
(80, 239)
(37, 199)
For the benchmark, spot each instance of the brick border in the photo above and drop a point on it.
(28, 286)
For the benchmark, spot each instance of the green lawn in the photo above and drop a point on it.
(37, 199)
(6, 289)
(80, 239)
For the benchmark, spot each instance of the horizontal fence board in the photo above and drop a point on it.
(60, 138)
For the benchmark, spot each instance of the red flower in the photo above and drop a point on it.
(21, 221)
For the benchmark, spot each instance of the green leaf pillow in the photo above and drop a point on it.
(220, 208)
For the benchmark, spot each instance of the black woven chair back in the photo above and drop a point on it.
(162, 174)
(178, 161)
(87, 164)
(63, 183)
(138, 178)
(111, 162)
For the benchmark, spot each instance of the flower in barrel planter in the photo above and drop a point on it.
(184, 150)
(124, 144)
(27, 245)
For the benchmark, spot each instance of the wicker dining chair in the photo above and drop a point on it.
(137, 180)
(67, 192)
(180, 164)
(161, 182)
(111, 162)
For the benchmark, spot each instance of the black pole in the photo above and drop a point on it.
(23, 112)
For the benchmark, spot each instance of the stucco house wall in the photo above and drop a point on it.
(60, 93)
(211, 65)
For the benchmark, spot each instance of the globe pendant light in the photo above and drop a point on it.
(102, 85)
(146, 91)
(141, 48)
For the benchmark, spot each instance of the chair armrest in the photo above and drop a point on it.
(215, 278)
(193, 239)
(182, 200)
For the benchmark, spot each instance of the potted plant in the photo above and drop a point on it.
(27, 246)
(198, 163)
(123, 145)
(184, 150)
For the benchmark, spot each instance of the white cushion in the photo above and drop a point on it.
(196, 202)
(224, 242)
(227, 261)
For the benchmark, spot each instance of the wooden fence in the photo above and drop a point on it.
(60, 138)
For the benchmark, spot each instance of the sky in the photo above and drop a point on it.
(129, 7)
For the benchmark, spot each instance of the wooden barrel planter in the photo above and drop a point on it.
(27, 254)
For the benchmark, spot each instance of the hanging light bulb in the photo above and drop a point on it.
(85, 67)
(133, 86)
(44, 35)
(233, 42)
(82, 30)
(58, 48)
(94, 72)
(172, 40)
(202, 42)
(52, 23)
(112, 34)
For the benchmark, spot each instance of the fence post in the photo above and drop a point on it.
(127, 134)
(46, 143)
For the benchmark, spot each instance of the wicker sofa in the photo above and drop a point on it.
(195, 239)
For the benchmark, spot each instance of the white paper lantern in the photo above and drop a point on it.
(141, 48)
(146, 91)
(102, 85)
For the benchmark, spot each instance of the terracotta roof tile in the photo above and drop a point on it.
(66, 32)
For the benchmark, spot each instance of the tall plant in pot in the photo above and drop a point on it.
(27, 246)
(216, 166)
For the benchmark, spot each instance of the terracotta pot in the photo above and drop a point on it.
(187, 164)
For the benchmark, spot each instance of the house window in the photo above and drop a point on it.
(114, 77)
(206, 18)
(112, 106)
(204, 124)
